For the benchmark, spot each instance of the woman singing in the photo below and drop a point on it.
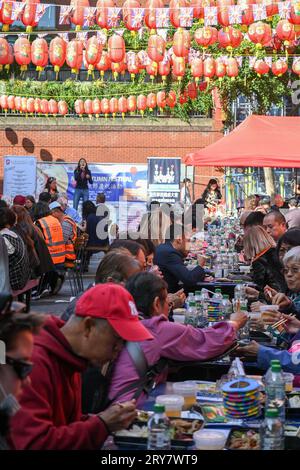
(82, 176)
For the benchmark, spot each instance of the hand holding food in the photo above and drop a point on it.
(249, 350)
(252, 293)
(282, 300)
(119, 415)
(239, 319)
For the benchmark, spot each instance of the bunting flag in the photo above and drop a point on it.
(42, 35)
(113, 17)
(193, 54)
(235, 14)
(143, 58)
(64, 36)
(120, 31)
(102, 38)
(141, 32)
(268, 61)
(259, 12)
(40, 11)
(89, 16)
(295, 60)
(284, 9)
(166, 58)
(170, 53)
(137, 16)
(65, 14)
(17, 10)
(186, 17)
(130, 58)
(239, 60)
(82, 36)
(162, 17)
(210, 16)
(252, 60)
(162, 33)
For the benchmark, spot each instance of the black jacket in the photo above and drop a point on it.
(82, 183)
(4, 429)
(266, 270)
(170, 262)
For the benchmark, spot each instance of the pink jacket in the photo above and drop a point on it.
(172, 341)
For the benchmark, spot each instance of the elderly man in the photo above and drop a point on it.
(105, 316)
(275, 224)
(293, 215)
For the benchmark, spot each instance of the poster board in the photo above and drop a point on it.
(19, 175)
(164, 179)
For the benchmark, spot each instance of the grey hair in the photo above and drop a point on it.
(292, 255)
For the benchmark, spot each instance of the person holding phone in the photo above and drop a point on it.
(82, 177)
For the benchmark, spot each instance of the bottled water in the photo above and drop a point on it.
(226, 307)
(190, 298)
(217, 295)
(191, 317)
(272, 431)
(240, 292)
(275, 390)
(159, 437)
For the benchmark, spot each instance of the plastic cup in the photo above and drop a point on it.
(209, 439)
(173, 404)
(265, 308)
(179, 318)
(188, 391)
(254, 315)
(288, 380)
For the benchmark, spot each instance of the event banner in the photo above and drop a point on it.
(19, 176)
(164, 179)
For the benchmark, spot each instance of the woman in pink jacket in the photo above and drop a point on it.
(171, 340)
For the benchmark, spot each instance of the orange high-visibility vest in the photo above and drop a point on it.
(70, 252)
(53, 234)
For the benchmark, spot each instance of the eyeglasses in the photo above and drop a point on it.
(21, 368)
(292, 270)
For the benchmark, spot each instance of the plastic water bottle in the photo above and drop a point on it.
(272, 431)
(240, 292)
(217, 295)
(159, 437)
(190, 298)
(268, 374)
(226, 307)
(275, 390)
(191, 316)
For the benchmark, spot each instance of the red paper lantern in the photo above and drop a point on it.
(105, 106)
(143, 59)
(10, 59)
(4, 52)
(74, 55)
(161, 100)
(78, 12)
(152, 69)
(24, 104)
(131, 22)
(18, 103)
(223, 12)
(93, 53)
(181, 43)
(117, 68)
(141, 104)
(206, 36)
(209, 68)
(122, 106)
(62, 108)
(232, 68)
(150, 13)
(44, 107)
(37, 105)
(22, 50)
(247, 11)
(220, 68)
(286, 32)
(276, 43)
(57, 53)
(30, 105)
(230, 38)
(113, 106)
(192, 90)
(88, 107)
(5, 15)
(133, 65)
(260, 34)
(53, 107)
(261, 67)
(295, 14)
(151, 101)
(156, 48)
(131, 104)
(11, 103)
(197, 68)
(102, 12)
(178, 68)
(116, 48)
(79, 107)
(183, 98)
(175, 6)
(4, 102)
(279, 67)
(39, 54)
(296, 66)
(171, 99)
(96, 107)
(103, 64)
(198, 7)
(28, 15)
(164, 69)
(271, 7)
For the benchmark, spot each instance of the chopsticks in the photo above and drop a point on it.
(282, 321)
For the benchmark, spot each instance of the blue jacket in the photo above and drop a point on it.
(170, 262)
(288, 361)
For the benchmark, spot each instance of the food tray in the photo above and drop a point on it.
(235, 433)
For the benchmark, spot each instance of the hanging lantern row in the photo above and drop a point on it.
(33, 105)
(180, 13)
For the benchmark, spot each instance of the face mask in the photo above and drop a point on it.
(9, 404)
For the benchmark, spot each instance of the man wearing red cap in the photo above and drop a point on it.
(50, 417)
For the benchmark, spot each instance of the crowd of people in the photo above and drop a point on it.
(85, 382)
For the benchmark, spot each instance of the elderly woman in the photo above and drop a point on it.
(289, 239)
(259, 248)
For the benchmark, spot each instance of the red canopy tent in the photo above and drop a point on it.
(259, 141)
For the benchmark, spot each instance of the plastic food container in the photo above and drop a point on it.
(265, 308)
(173, 404)
(254, 315)
(288, 380)
(209, 439)
(187, 390)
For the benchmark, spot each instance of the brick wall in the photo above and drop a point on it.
(128, 141)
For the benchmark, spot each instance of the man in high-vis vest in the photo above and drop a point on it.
(69, 229)
(53, 234)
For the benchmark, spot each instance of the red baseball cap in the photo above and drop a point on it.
(19, 200)
(113, 303)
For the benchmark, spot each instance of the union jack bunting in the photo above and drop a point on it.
(162, 17)
(137, 16)
(185, 17)
(252, 60)
(259, 12)
(163, 33)
(1, 4)
(235, 14)
(284, 9)
(102, 38)
(130, 58)
(65, 14)
(40, 11)
(89, 16)
(82, 36)
(42, 35)
(113, 17)
(17, 10)
(193, 54)
(143, 57)
(120, 32)
(210, 16)
(296, 60)
(268, 61)
(166, 58)
(141, 32)
(170, 52)
(239, 60)
(64, 36)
